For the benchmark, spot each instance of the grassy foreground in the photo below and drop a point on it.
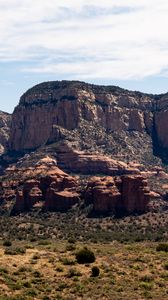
(49, 270)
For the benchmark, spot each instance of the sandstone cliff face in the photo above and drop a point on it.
(67, 105)
(5, 121)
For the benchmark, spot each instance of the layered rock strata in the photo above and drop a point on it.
(47, 187)
(90, 163)
(67, 104)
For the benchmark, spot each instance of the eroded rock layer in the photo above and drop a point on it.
(45, 186)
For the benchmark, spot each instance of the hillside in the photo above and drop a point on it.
(88, 147)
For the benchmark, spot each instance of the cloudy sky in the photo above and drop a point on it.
(117, 42)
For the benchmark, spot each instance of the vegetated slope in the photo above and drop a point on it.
(46, 269)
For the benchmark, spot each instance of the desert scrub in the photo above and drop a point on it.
(166, 266)
(162, 247)
(15, 251)
(85, 256)
(3, 271)
(67, 261)
(70, 247)
(7, 243)
(73, 272)
(95, 271)
(59, 269)
(36, 256)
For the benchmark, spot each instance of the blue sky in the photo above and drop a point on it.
(123, 42)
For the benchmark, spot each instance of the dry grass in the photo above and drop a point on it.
(49, 271)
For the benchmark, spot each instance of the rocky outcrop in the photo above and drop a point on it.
(135, 193)
(103, 193)
(5, 121)
(46, 187)
(126, 194)
(88, 163)
(51, 189)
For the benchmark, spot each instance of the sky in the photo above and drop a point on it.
(114, 42)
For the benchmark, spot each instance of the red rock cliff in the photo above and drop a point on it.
(68, 103)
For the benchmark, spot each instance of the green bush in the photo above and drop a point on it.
(7, 243)
(162, 247)
(70, 247)
(67, 261)
(95, 271)
(71, 240)
(73, 272)
(85, 256)
(15, 251)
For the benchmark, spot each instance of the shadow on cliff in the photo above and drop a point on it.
(158, 150)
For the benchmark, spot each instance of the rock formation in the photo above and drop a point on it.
(90, 163)
(47, 186)
(66, 104)
(83, 129)
(125, 194)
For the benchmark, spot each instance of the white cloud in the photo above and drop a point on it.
(85, 39)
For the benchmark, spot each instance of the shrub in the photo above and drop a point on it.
(15, 251)
(85, 256)
(32, 292)
(7, 243)
(70, 247)
(37, 274)
(36, 256)
(95, 271)
(59, 269)
(71, 240)
(27, 284)
(162, 247)
(73, 272)
(67, 261)
(146, 285)
(3, 270)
